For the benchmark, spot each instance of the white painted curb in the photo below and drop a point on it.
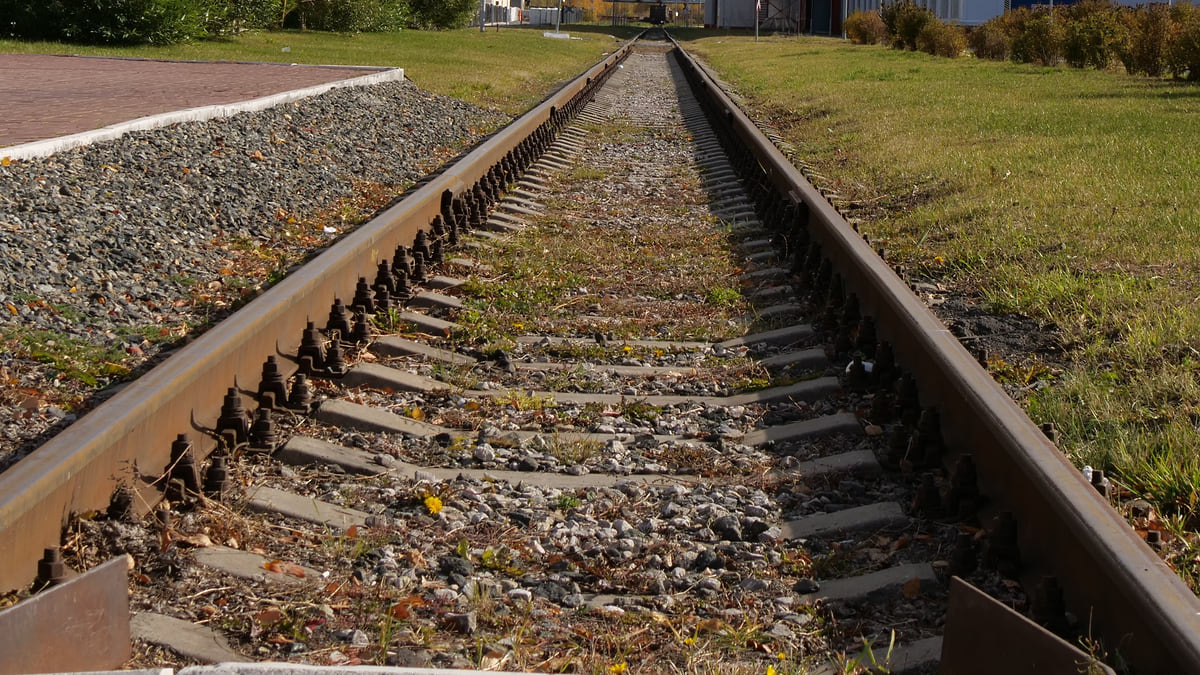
(50, 146)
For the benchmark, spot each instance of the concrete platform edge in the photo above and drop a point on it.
(50, 146)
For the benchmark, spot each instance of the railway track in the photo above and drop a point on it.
(738, 441)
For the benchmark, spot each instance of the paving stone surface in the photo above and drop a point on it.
(46, 96)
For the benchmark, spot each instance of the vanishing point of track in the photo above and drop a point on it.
(937, 466)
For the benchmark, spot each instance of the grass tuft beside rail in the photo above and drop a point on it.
(1072, 196)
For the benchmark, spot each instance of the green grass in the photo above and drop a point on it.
(511, 69)
(75, 359)
(1072, 196)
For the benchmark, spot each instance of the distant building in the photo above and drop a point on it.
(824, 17)
(962, 12)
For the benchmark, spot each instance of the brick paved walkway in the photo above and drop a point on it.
(49, 96)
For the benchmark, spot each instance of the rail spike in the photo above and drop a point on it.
(233, 419)
(272, 388)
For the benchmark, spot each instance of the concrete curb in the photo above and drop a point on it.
(45, 148)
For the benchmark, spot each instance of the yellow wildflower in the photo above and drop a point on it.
(690, 641)
(771, 670)
(626, 349)
(618, 668)
(434, 504)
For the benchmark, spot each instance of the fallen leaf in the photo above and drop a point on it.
(293, 570)
(269, 616)
(912, 588)
(257, 155)
(5, 161)
(489, 662)
(709, 626)
(196, 540)
(352, 533)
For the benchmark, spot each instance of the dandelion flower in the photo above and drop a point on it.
(434, 504)
(771, 670)
(690, 641)
(618, 668)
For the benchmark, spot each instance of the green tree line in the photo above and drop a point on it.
(171, 21)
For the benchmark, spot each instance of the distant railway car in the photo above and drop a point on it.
(658, 14)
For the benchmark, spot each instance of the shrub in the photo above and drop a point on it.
(234, 16)
(1038, 38)
(106, 21)
(1093, 34)
(353, 15)
(442, 14)
(865, 28)
(1183, 54)
(904, 20)
(942, 39)
(990, 40)
(1150, 29)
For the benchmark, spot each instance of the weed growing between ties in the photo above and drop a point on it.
(1053, 213)
(631, 272)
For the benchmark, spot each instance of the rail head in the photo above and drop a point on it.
(1139, 604)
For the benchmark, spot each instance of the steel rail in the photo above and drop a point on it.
(1116, 584)
(128, 438)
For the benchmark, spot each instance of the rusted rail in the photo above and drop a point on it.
(1111, 579)
(128, 439)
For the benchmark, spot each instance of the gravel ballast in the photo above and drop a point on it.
(117, 251)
